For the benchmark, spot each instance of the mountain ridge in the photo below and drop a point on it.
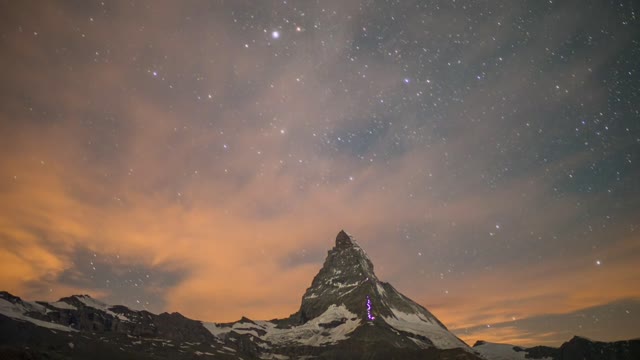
(346, 313)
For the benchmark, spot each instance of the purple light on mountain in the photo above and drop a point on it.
(371, 317)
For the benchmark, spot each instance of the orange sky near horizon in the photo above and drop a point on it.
(154, 156)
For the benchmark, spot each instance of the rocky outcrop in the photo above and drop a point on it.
(580, 348)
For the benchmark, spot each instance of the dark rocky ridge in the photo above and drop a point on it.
(116, 332)
(578, 348)
(582, 348)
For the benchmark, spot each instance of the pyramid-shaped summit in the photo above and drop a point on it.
(347, 279)
(346, 270)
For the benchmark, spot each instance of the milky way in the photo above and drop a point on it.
(201, 156)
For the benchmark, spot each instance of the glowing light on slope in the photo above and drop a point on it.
(371, 317)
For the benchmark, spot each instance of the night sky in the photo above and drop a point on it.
(201, 156)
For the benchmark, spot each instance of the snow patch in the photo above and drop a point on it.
(215, 329)
(239, 328)
(63, 305)
(33, 306)
(18, 311)
(341, 286)
(419, 325)
(274, 357)
(311, 333)
(99, 305)
(200, 353)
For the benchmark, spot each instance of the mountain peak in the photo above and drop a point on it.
(344, 240)
(347, 256)
(347, 280)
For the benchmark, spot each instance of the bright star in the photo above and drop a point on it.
(275, 34)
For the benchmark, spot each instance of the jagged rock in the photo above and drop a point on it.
(580, 348)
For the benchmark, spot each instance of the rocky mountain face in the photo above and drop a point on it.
(79, 327)
(347, 277)
(346, 313)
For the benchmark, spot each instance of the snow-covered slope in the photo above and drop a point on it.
(98, 305)
(20, 310)
(418, 324)
(332, 326)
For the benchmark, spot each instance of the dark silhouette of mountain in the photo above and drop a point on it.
(578, 348)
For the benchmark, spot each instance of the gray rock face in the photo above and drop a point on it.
(347, 277)
(346, 269)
